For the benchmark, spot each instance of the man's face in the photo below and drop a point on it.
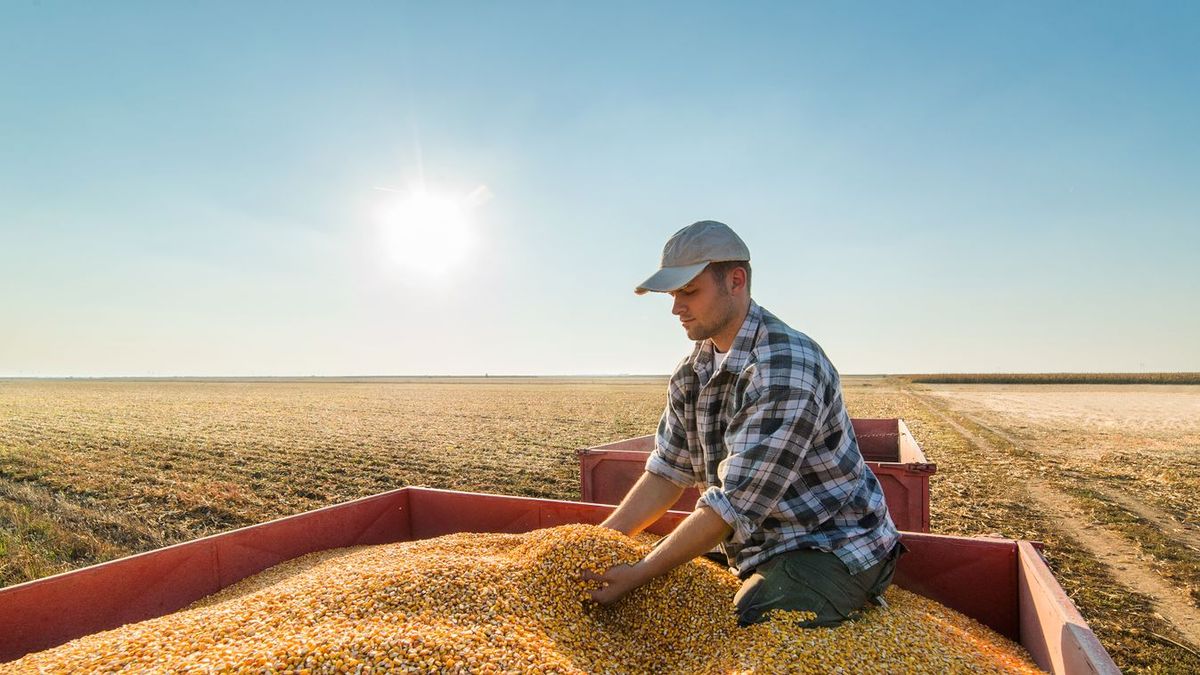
(704, 307)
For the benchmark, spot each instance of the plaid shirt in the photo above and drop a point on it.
(768, 440)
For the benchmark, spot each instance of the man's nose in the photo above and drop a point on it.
(677, 307)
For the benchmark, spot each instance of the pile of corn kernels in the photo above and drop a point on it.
(504, 603)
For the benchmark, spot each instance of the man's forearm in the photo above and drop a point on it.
(650, 497)
(696, 535)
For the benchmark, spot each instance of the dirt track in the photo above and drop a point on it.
(1111, 549)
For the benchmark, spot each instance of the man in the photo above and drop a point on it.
(755, 418)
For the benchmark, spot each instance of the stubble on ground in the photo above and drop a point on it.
(90, 471)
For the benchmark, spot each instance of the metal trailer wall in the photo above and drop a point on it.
(1002, 583)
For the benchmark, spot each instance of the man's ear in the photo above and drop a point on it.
(737, 279)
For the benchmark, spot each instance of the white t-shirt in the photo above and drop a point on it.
(719, 358)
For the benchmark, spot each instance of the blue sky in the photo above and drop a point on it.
(192, 189)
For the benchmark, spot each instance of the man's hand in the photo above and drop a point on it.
(614, 583)
(698, 533)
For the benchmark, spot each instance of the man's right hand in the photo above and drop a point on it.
(613, 583)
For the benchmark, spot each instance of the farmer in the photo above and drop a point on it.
(755, 418)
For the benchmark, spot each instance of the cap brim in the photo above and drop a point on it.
(670, 279)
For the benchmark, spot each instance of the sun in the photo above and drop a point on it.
(426, 232)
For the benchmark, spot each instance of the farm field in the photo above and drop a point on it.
(1106, 475)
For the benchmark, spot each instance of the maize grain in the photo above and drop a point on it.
(504, 603)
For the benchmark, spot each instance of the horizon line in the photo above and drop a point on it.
(560, 375)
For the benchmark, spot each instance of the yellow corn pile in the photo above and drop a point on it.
(498, 603)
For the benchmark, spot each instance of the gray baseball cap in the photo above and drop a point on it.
(690, 250)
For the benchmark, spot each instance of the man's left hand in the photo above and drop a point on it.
(614, 583)
(699, 532)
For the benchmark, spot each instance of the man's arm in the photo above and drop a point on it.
(697, 534)
(650, 497)
(668, 473)
(767, 441)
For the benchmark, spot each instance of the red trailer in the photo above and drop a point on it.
(1002, 583)
(606, 472)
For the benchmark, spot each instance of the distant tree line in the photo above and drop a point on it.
(1055, 378)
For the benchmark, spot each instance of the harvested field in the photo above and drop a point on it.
(92, 470)
(1130, 578)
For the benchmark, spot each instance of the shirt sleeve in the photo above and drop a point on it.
(766, 439)
(671, 458)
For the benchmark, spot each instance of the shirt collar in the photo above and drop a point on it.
(739, 351)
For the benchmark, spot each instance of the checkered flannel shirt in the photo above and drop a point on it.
(769, 442)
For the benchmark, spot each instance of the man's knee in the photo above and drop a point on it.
(814, 582)
(817, 610)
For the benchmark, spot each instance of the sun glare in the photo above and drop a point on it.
(426, 232)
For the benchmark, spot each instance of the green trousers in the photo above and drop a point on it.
(813, 581)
